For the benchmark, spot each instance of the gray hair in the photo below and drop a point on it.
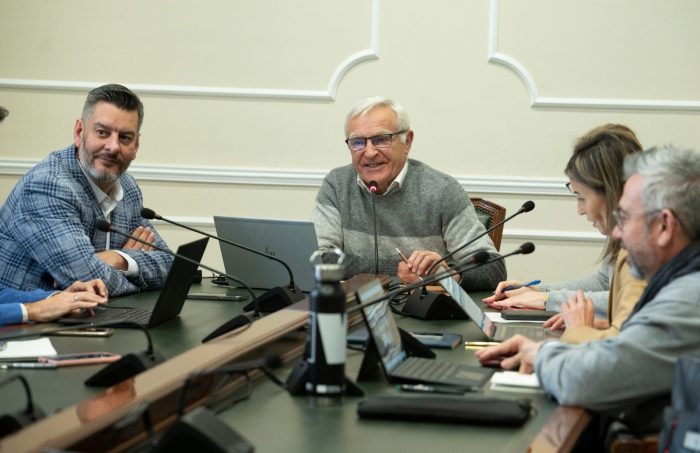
(117, 95)
(366, 105)
(670, 180)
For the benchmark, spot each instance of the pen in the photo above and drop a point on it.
(405, 260)
(7, 366)
(524, 285)
(479, 344)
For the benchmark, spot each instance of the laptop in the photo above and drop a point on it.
(397, 366)
(291, 241)
(170, 301)
(492, 330)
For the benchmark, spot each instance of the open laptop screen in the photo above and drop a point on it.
(382, 325)
(289, 240)
(459, 295)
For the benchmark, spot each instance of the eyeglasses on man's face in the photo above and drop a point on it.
(622, 217)
(378, 141)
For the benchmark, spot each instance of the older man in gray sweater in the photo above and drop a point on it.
(422, 212)
(659, 224)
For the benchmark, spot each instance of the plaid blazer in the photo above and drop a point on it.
(48, 237)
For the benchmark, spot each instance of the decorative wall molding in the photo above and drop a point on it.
(513, 234)
(237, 92)
(537, 101)
(301, 178)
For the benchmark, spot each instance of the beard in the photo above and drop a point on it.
(100, 177)
(635, 270)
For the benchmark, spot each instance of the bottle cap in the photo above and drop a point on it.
(328, 264)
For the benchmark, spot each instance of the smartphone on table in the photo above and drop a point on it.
(86, 332)
(80, 358)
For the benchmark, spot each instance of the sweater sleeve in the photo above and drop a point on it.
(326, 218)
(463, 225)
(616, 372)
(595, 286)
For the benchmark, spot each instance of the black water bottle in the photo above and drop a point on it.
(327, 331)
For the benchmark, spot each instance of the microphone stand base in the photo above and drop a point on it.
(201, 430)
(432, 306)
(129, 365)
(297, 379)
(275, 299)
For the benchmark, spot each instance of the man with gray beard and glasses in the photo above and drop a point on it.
(48, 237)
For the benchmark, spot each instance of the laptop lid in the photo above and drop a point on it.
(174, 293)
(382, 326)
(492, 330)
(289, 240)
(459, 295)
(170, 300)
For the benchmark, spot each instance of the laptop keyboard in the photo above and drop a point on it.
(426, 369)
(137, 315)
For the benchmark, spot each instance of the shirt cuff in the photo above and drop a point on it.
(132, 267)
(25, 315)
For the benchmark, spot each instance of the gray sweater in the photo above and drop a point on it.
(615, 373)
(430, 211)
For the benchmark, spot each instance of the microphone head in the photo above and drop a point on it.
(527, 248)
(103, 225)
(373, 186)
(149, 214)
(480, 256)
(528, 206)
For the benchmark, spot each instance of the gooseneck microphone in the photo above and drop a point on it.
(273, 299)
(103, 225)
(479, 259)
(374, 187)
(10, 423)
(526, 207)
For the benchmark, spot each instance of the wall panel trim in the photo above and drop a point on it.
(301, 178)
(327, 94)
(537, 101)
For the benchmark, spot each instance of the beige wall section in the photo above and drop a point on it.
(245, 101)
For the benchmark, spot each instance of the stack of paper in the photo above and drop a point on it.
(512, 381)
(27, 350)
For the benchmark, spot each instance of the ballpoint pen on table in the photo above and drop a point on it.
(32, 365)
(479, 344)
(524, 285)
(405, 260)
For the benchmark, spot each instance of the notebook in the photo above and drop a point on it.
(395, 362)
(291, 241)
(170, 301)
(493, 331)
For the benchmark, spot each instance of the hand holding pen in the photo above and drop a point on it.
(519, 299)
(523, 285)
(405, 260)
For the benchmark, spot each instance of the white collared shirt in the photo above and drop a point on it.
(395, 184)
(107, 204)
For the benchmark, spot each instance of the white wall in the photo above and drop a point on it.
(245, 101)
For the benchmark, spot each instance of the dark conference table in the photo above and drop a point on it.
(274, 421)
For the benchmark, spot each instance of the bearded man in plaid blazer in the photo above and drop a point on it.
(48, 237)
